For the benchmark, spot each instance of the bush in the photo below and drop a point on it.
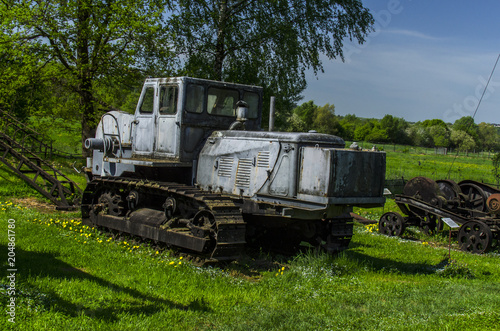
(455, 269)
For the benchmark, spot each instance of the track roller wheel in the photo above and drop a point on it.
(203, 225)
(391, 224)
(112, 203)
(474, 237)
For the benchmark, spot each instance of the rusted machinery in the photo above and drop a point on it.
(192, 169)
(26, 153)
(472, 205)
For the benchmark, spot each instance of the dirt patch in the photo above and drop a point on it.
(34, 203)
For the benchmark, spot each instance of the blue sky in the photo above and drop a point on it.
(426, 59)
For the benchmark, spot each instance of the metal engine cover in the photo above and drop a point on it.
(310, 167)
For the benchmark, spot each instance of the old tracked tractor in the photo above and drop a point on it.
(192, 169)
(474, 206)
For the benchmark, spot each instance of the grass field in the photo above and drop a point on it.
(72, 277)
(439, 167)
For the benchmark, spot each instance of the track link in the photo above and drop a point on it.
(208, 224)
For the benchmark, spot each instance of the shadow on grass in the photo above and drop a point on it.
(390, 265)
(47, 265)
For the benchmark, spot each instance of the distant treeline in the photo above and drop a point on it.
(462, 135)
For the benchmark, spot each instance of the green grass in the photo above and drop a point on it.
(69, 279)
(73, 277)
(439, 167)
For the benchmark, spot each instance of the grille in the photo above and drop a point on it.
(225, 167)
(263, 159)
(243, 173)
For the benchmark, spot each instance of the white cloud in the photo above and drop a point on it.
(412, 34)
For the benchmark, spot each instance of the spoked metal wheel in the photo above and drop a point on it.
(391, 224)
(474, 237)
(476, 198)
(430, 224)
(449, 189)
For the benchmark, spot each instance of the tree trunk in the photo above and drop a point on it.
(88, 114)
(220, 44)
(84, 74)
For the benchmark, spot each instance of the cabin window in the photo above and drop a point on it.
(168, 99)
(252, 99)
(147, 105)
(222, 101)
(194, 98)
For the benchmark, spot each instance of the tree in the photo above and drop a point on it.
(362, 131)
(488, 136)
(496, 167)
(325, 120)
(306, 112)
(349, 124)
(440, 135)
(467, 125)
(462, 140)
(89, 39)
(377, 135)
(296, 124)
(419, 135)
(395, 129)
(267, 43)
(434, 122)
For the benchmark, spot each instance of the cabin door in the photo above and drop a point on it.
(167, 131)
(144, 138)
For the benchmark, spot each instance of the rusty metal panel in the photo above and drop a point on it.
(236, 165)
(280, 182)
(314, 176)
(357, 174)
(167, 136)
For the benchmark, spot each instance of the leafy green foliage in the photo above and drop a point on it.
(395, 129)
(308, 116)
(496, 167)
(266, 43)
(462, 140)
(306, 112)
(77, 43)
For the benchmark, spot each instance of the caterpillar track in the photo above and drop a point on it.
(209, 225)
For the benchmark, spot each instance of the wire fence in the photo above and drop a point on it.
(487, 154)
